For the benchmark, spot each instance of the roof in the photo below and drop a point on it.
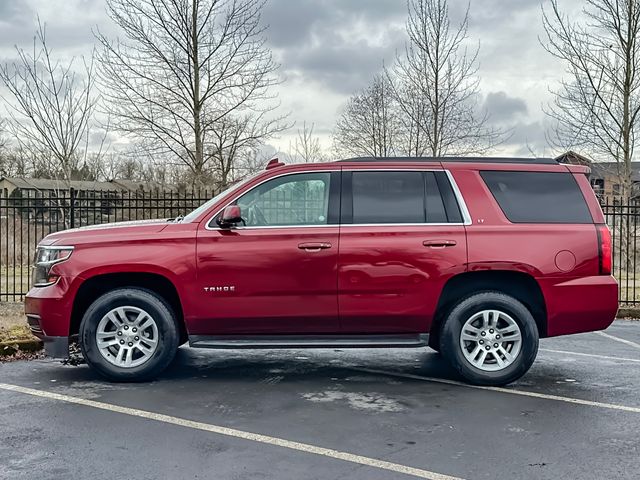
(573, 158)
(602, 169)
(543, 161)
(599, 169)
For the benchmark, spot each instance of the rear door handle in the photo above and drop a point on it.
(314, 246)
(439, 243)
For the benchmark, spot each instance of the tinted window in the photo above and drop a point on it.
(401, 197)
(388, 197)
(538, 197)
(301, 199)
(435, 206)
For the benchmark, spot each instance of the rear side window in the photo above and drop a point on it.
(388, 197)
(399, 197)
(538, 197)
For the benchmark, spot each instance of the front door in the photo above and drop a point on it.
(402, 237)
(278, 273)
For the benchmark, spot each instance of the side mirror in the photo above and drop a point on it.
(231, 216)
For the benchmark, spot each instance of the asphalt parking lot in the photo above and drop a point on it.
(325, 414)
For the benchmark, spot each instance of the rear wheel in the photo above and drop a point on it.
(129, 334)
(490, 338)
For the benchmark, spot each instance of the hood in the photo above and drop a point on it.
(106, 231)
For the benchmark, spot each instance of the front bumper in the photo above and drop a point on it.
(48, 311)
(56, 347)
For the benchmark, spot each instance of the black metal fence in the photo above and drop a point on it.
(624, 223)
(24, 221)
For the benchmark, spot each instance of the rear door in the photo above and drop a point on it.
(402, 236)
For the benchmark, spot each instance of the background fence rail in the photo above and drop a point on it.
(24, 221)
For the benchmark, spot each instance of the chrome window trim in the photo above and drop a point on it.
(466, 217)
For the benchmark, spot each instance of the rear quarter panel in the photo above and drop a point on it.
(563, 258)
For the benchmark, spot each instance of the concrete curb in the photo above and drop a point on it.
(11, 348)
(629, 313)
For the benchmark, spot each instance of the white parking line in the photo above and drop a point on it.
(231, 432)
(621, 340)
(524, 393)
(593, 355)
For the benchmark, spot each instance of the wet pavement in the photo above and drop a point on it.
(330, 414)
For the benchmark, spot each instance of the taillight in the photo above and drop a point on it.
(604, 249)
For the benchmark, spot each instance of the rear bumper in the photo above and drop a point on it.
(580, 305)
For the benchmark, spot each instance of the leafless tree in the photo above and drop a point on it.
(233, 140)
(436, 85)
(184, 69)
(3, 138)
(51, 106)
(368, 125)
(306, 148)
(597, 105)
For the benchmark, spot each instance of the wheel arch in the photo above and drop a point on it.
(93, 287)
(517, 284)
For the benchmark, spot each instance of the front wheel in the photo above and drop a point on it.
(490, 338)
(129, 334)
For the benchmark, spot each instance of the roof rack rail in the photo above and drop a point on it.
(542, 161)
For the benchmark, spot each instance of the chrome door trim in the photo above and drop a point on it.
(466, 216)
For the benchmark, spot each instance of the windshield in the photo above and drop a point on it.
(205, 206)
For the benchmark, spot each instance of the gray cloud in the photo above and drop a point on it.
(503, 108)
(328, 49)
(294, 23)
(337, 44)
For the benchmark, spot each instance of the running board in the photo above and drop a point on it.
(309, 341)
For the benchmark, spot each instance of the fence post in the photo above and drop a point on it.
(72, 213)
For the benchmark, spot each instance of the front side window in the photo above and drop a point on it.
(297, 199)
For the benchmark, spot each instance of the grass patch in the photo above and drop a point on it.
(15, 333)
(13, 324)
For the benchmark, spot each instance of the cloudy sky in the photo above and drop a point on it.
(329, 49)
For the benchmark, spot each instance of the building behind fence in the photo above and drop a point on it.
(26, 219)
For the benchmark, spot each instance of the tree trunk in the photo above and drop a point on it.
(197, 106)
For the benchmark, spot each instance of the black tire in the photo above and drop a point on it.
(453, 351)
(156, 307)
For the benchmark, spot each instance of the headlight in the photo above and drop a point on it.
(47, 257)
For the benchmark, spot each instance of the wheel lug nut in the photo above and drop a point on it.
(135, 329)
(491, 330)
(126, 327)
(488, 347)
(495, 345)
(498, 337)
(483, 333)
(131, 344)
(121, 342)
(481, 342)
(119, 334)
(137, 338)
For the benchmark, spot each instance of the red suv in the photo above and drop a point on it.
(477, 258)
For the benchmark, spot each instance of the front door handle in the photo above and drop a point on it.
(314, 246)
(439, 243)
